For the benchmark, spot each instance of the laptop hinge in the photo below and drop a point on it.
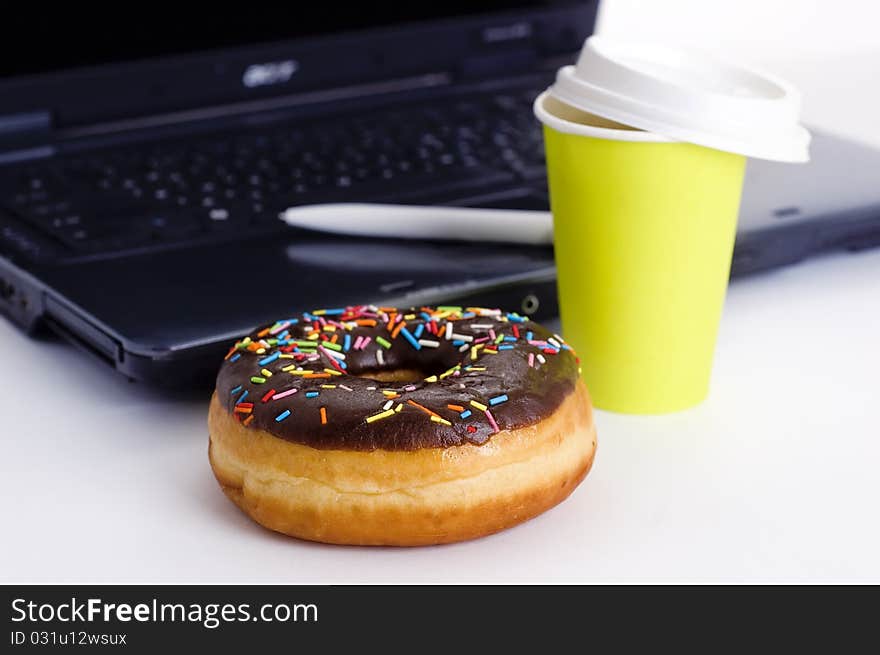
(498, 62)
(27, 123)
(24, 135)
(251, 107)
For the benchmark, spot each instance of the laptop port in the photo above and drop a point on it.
(530, 304)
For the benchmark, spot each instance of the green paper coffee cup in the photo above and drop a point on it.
(645, 219)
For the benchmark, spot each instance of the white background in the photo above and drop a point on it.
(774, 478)
(829, 48)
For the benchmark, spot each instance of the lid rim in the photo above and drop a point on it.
(685, 96)
(795, 150)
(580, 129)
(569, 84)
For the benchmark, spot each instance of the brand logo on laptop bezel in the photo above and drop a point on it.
(509, 32)
(269, 73)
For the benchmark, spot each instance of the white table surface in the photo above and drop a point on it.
(774, 478)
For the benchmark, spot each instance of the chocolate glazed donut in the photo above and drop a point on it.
(373, 425)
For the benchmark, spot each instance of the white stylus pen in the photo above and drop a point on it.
(417, 222)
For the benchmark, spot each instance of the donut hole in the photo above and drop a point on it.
(404, 365)
(395, 375)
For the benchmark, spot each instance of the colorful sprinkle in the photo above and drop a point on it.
(380, 415)
(423, 408)
(283, 415)
(338, 365)
(492, 422)
(409, 337)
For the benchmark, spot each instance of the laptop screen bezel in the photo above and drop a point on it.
(146, 87)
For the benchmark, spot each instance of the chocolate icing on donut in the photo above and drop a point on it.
(307, 379)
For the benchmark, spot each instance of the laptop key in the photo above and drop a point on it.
(202, 187)
(94, 239)
(20, 239)
(225, 217)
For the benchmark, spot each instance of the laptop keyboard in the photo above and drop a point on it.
(182, 191)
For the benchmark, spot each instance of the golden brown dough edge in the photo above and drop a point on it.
(404, 498)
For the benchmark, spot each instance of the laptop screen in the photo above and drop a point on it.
(131, 31)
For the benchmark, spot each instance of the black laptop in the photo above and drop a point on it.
(145, 157)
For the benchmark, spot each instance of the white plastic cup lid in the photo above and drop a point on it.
(686, 96)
